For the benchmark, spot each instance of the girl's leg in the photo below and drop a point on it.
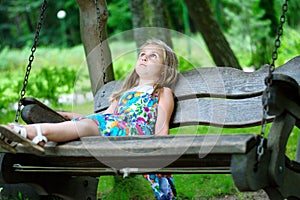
(64, 131)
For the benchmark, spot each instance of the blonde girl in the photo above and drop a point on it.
(143, 106)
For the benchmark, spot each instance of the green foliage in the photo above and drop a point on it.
(248, 33)
(17, 59)
(203, 186)
(293, 13)
(185, 64)
(19, 19)
(133, 187)
(119, 16)
(8, 91)
(251, 30)
(290, 45)
(188, 186)
(46, 84)
(53, 73)
(20, 195)
(12, 196)
(50, 82)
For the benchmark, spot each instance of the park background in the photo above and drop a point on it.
(250, 28)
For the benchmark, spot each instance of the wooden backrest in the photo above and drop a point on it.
(215, 96)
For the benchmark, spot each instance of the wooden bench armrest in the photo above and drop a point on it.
(284, 96)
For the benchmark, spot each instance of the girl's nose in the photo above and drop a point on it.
(144, 58)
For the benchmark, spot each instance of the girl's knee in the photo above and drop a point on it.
(87, 127)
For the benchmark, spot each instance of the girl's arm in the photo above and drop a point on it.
(165, 110)
(69, 115)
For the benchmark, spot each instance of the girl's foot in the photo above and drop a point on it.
(31, 132)
(14, 134)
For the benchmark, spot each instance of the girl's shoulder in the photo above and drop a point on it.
(166, 92)
(167, 89)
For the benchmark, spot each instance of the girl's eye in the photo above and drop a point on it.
(153, 56)
(142, 54)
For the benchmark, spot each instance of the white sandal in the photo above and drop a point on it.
(23, 132)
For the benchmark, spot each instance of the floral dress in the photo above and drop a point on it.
(135, 114)
(162, 185)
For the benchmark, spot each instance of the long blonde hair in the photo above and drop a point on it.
(168, 76)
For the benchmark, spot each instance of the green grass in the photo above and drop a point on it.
(205, 186)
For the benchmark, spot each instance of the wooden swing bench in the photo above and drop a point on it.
(217, 97)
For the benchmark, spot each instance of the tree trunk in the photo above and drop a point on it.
(138, 21)
(151, 22)
(216, 42)
(90, 39)
(159, 18)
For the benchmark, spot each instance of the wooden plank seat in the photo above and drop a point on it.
(172, 154)
(215, 97)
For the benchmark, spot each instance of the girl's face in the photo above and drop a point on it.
(150, 62)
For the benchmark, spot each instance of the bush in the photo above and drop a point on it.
(47, 84)
(50, 82)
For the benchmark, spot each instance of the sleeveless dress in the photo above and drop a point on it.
(136, 114)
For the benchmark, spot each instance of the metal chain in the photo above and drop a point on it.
(31, 58)
(268, 81)
(100, 37)
(279, 34)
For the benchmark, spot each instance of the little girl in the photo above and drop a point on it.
(143, 106)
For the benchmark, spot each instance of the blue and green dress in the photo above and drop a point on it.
(136, 114)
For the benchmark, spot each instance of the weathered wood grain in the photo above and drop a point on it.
(219, 112)
(157, 152)
(215, 82)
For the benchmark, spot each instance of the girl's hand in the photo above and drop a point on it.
(69, 115)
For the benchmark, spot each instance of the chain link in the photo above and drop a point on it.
(279, 34)
(31, 58)
(100, 37)
(268, 81)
